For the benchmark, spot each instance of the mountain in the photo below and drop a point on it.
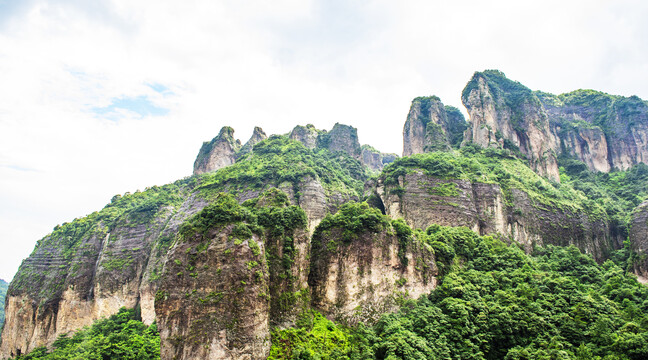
(268, 242)
(3, 295)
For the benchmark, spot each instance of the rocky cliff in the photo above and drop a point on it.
(506, 114)
(263, 232)
(604, 131)
(638, 239)
(432, 126)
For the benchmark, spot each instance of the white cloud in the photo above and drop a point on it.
(273, 64)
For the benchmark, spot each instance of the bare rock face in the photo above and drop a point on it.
(374, 159)
(357, 281)
(423, 200)
(638, 237)
(258, 135)
(431, 126)
(59, 289)
(218, 153)
(604, 131)
(213, 302)
(504, 113)
(342, 138)
(306, 135)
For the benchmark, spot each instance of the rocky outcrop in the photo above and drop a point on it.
(342, 138)
(258, 135)
(604, 131)
(374, 159)
(59, 289)
(431, 126)
(424, 200)
(638, 237)
(218, 153)
(306, 135)
(506, 114)
(358, 280)
(213, 301)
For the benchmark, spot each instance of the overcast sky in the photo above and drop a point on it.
(98, 98)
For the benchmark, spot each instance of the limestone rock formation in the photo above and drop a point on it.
(374, 159)
(218, 153)
(258, 135)
(506, 114)
(639, 240)
(431, 126)
(424, 200)
(358, 280)
(306, 135)
(64, 286)
(342, 138)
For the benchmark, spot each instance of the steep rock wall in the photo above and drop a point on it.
(423, 200)
(504, 113)
(431, 126)
(357, 281)
(213, 301)
(54, 292)
(638, 237)
(218, 153)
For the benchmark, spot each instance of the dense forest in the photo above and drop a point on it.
(494, 302)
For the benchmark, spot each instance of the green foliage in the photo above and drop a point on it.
(353, 219)
(456, 125)
(3, 295)
(498, 166)
(619, 192)
(278, 160)
(122, 336)
(224, 210)
(315, 338)
(496, 302)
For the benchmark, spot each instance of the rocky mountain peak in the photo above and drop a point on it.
(306, 135)
(258, 135)
(432, 126)
(341, 138)
(218, 153)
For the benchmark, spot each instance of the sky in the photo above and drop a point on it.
(99, 98)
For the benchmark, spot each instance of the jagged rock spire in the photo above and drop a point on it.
(218, 153)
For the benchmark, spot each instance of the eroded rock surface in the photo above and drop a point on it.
(218, 153)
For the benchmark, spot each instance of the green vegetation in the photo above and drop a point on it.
(69, 240)
(3, 295)
(456, 125)
(279, 160)
(619, 192)
(498, 166)
(122, 336)
(496, 302)
(314, 338)
(352, 219)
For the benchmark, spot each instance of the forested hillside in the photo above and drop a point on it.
(521, 233)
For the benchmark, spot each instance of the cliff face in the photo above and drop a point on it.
(359, 279)
(506, 114)
(125, 255)
(639, 241)
(604, 131)
(218, 153)
(424, 200)
(431, 126)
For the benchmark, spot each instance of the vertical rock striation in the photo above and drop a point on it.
(218, 153)
(431, 126)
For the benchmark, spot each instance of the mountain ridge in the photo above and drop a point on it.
(267, 230)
